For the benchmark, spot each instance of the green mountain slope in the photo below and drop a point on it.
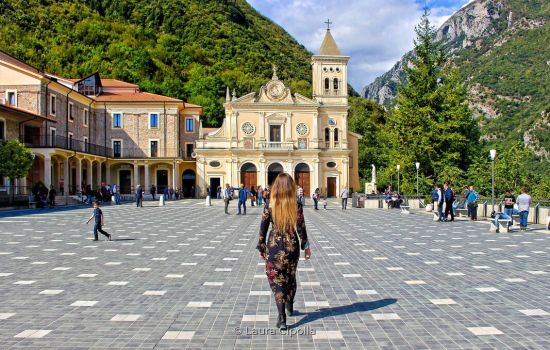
(502, 49)
(190, 49)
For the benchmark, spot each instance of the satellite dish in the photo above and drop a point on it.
(194, 155)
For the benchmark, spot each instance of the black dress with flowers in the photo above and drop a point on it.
(283, 252)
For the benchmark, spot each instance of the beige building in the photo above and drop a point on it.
(275, 130)
(92, 131)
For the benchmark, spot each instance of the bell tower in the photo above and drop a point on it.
(330, 72)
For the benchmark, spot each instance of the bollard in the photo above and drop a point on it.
(161, 200)
(208, 202)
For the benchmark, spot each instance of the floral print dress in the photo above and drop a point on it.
(283, 252)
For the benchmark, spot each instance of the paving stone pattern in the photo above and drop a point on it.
(186, 276)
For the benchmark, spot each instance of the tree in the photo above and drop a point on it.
(431, 123)
(367, 118)
(15, 162)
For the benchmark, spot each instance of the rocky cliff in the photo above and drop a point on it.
(502, 49)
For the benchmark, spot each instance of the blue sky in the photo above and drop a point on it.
(375, 33)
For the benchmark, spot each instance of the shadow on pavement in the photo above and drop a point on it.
(341, 310)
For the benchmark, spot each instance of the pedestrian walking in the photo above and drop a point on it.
(301, 195)
(252, 196)
(219, 192)
(260, 196)
(282, 251)
(98, 223)
(524, 202)
(449, 200)
(243, 196)
(51, 196)
(472, 201)
(139, 196)
(315, 198)
(227, 196)
(440, 202)
(325, 203)
(116, 195)
(344, 195)
(266, 195)
(153, 191)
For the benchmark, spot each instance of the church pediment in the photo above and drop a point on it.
(275, 92)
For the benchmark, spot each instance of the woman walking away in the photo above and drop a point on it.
(281, 252)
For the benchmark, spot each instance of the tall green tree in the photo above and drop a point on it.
(431, 123)
(15, 162)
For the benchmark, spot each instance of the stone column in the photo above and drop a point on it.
(89, 174)
(147, 183)
(344, 133)
(23, 186)
(315, 175)
(288, 128)
(98, 179)
(107, 173)
(315, 131)
(136, 175)
(66, 180)
(78, 180)
(262, 126)
(262, 181)
(47, 171)
(174, 175)
(345, 173)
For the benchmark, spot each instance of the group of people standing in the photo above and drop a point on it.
(256, 194)
(444, 197)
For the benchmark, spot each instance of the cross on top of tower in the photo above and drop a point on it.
(328, 23)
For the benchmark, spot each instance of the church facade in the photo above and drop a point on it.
(275, 130)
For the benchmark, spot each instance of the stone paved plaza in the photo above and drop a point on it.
(187, 276)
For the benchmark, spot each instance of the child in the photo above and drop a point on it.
(98, 215)
(325, 203)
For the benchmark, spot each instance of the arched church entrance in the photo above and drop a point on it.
(249, 175)
(301, 176)
(272, 171)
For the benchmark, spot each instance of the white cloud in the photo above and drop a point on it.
(375, 33)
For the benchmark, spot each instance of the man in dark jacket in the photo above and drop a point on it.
(139, 196)
(243, 195)
(449, 200)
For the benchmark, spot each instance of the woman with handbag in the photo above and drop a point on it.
(282, 251)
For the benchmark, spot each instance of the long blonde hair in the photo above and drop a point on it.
(283, 202)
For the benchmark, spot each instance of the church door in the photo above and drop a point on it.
(331, 187)
(301, 175)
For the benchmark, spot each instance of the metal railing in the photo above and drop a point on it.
(538, 212)
(50, 141)
(276, 145)
(137, 152)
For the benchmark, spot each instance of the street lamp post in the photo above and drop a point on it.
(417, 167)
(398, 168)
(493, 154)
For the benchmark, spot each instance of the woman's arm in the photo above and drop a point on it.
(301, 227)
(264, 227)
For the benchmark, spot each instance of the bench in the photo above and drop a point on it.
(461, 212)
(32, 202)
(405, 209)
(504, 223)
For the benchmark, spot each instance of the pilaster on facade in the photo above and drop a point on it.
(78, 179)
(147, 183)
(136, 174)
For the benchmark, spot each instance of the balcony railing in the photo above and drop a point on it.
(139, 153)
(276, 145)
(49, 141)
